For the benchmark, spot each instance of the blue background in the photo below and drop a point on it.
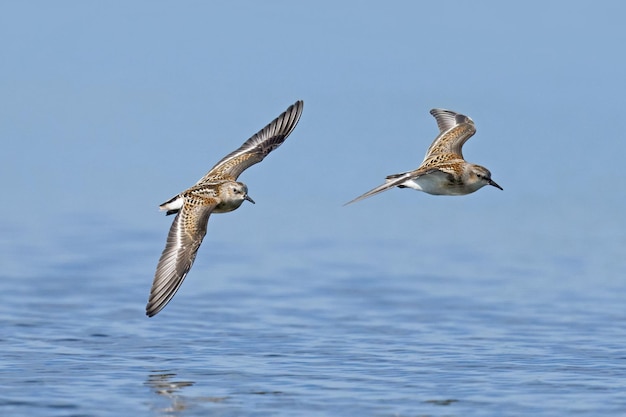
(108, 109)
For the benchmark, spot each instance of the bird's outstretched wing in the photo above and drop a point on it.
(454, 130)
(183, 240)
(393, 181)
(257, 147)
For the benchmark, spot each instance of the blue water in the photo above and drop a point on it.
(407, 326)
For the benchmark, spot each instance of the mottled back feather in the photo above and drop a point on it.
(454, 130)
(216, 192)
(444, 156)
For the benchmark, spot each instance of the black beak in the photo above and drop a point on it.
(247, 197)
(492, 182)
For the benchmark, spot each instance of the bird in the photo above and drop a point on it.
(216, 192)
(443, 171)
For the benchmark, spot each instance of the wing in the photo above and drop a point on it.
(183, 240)
(383, 187)
(257, 147)
(392, 181)
(454, 130)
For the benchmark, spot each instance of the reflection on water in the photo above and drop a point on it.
(163, 384)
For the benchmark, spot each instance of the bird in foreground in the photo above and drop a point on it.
(217, 192)
(443, 170)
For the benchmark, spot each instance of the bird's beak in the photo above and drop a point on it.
(247, 197)
(492, 182)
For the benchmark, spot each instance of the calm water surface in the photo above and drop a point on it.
(316, 328)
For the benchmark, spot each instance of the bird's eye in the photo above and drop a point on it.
(236, 191)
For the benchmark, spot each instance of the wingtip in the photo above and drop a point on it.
(448, 118)
(152, 312)
(153, 307)
(368, 194)
(298, 106)
(353, 201)
(286, 122)
(158, 301)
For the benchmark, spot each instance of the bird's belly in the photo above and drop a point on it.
(436, 185)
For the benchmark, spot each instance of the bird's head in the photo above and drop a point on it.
(238, 191)
(482, 176)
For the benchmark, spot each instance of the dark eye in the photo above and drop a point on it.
(236, 191)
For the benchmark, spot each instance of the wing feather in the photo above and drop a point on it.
(454, 130)
(392, 181)
(255, 149)
(183, 240)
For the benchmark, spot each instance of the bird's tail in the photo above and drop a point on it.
(172, 205)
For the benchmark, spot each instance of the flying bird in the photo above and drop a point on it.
(217, 192)
(443, 171)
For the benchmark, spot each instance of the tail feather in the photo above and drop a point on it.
(173, 205)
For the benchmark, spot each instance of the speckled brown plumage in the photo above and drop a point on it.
(216, 192)
(443, 170)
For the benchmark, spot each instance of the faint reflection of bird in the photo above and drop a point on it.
(217, 192)
(443, 171)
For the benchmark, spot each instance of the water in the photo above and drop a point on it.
(374, 327)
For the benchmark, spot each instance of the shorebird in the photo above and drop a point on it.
(217, 192)
(443, 170)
